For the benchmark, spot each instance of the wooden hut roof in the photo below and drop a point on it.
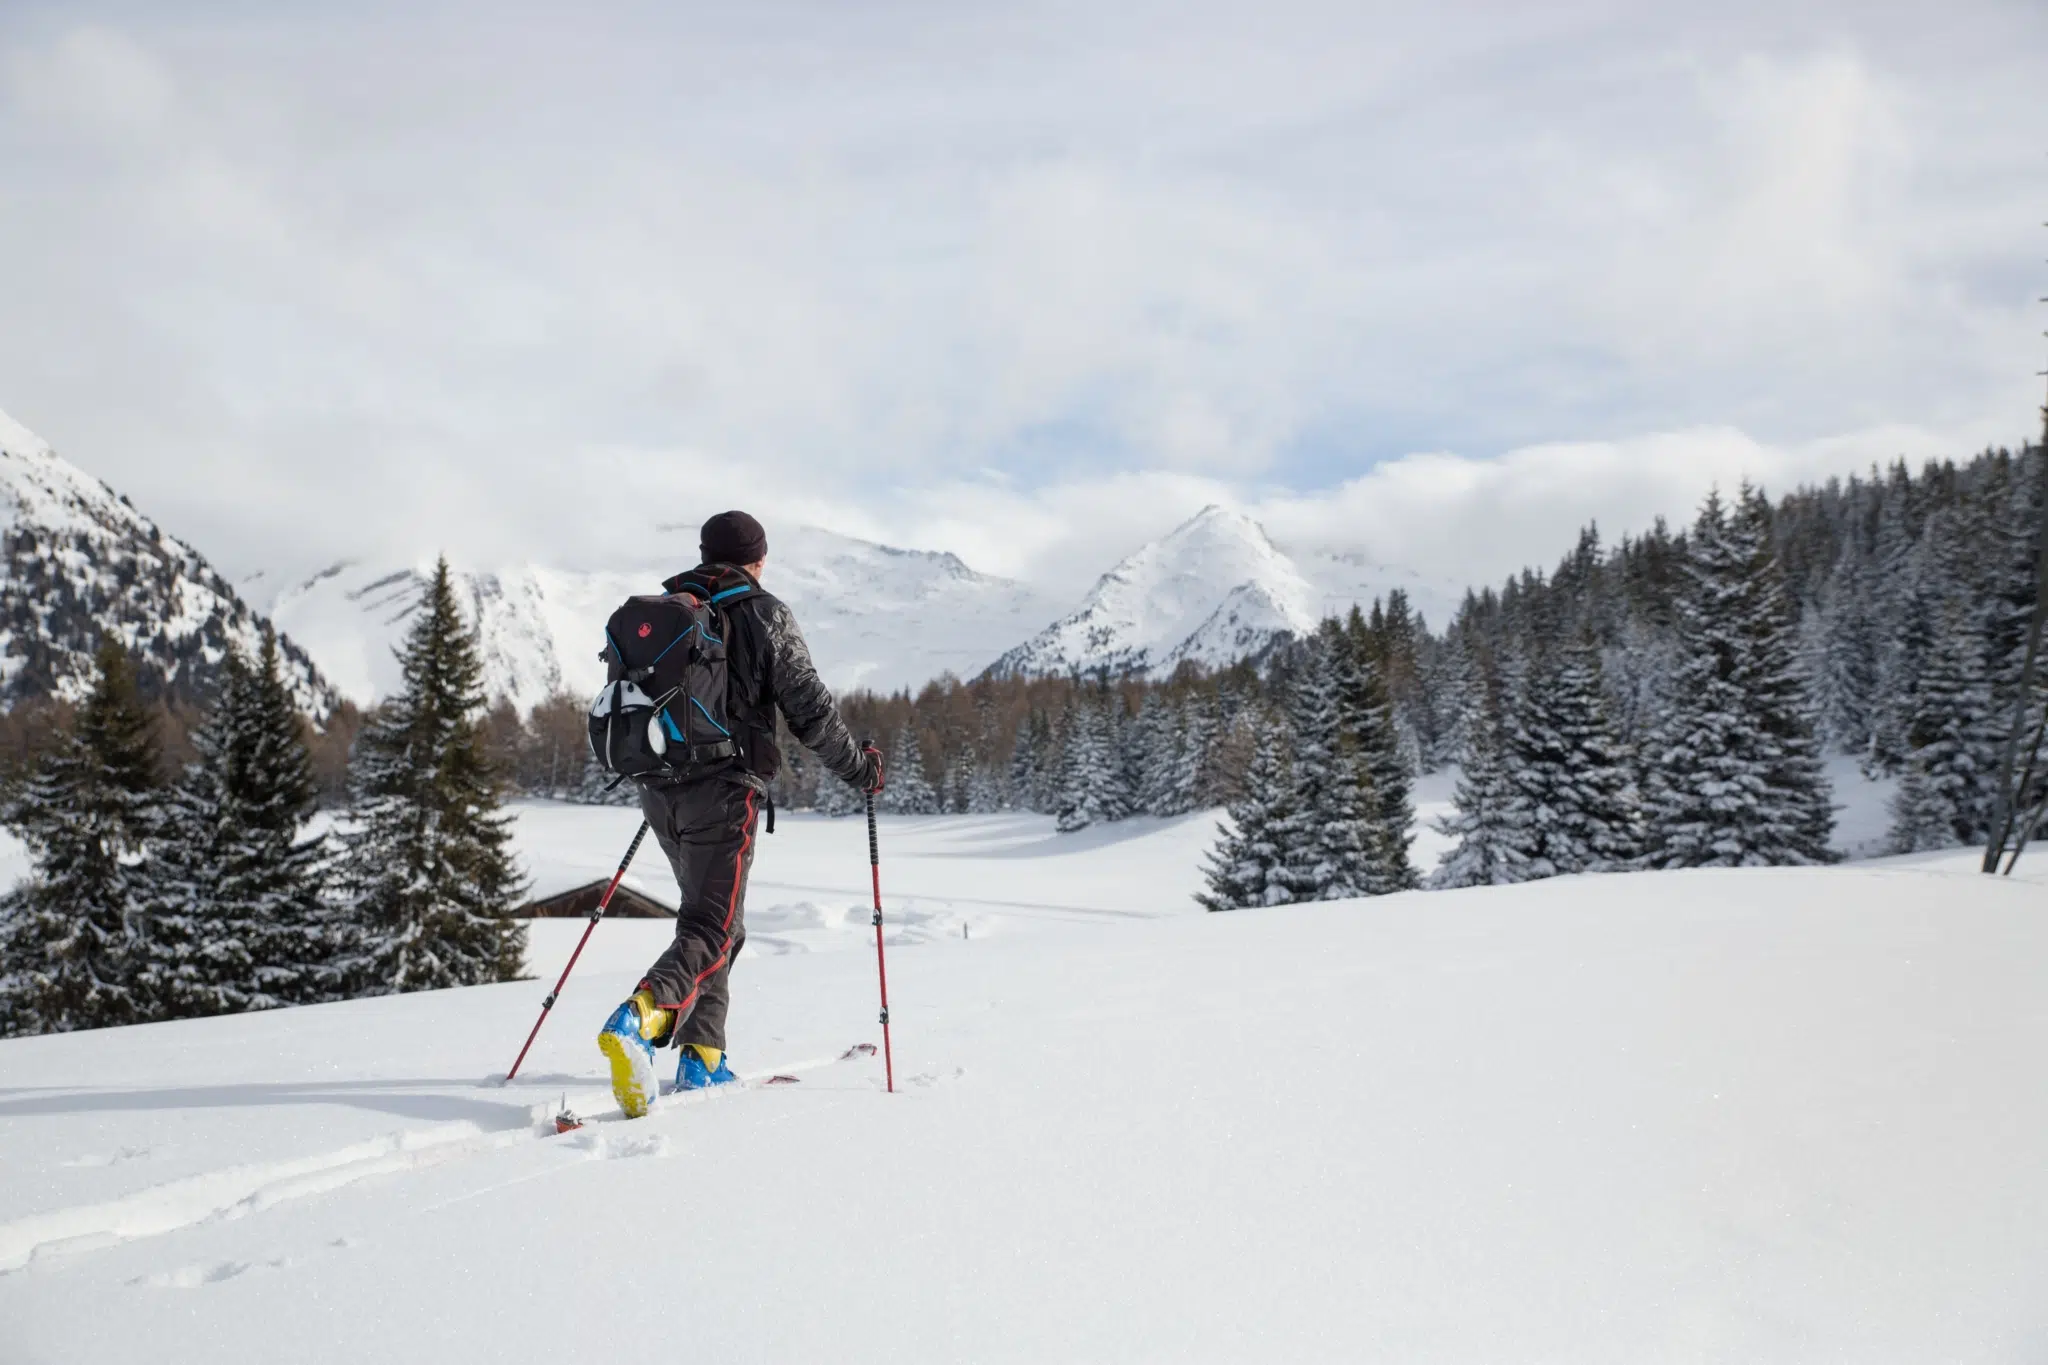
(580, 901)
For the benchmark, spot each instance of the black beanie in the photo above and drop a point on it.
(733, 538)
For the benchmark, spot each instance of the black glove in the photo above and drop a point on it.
(870, 780)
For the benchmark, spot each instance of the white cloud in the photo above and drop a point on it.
(1456, 519)
(1026, 282)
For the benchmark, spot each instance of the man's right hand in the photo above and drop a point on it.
(870, 770)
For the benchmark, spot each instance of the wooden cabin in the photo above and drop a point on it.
(578, 903)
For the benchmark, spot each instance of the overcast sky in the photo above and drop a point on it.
(1028, 281)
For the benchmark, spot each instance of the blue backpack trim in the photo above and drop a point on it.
(718, 597)
(671, 645)
(708, 716)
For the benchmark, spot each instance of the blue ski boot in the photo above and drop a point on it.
(702, 1067)
(627, 1042)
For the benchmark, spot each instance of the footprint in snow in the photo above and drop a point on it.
(199, 1276)
(97, 1160)
(605, 1147)
(929, 1078)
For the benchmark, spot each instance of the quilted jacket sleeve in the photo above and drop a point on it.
(806, 703)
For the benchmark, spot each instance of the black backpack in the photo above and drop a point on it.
(664, 713)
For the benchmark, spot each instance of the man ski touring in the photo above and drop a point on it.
(706, 823)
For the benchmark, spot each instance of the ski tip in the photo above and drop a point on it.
(566, 1122)
(781, 1080)
(857, 1050)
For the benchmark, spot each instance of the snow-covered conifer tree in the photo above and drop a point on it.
(1191, 779)
(1091, 775)
(1156, 738)
(1366, 720)
(1569, 804)
(1246, 866)
(908, 791)
(427, 873)
(955, 796)
(1115, 798)
(1077, 799)
(1033, 766)
(1949, 785)
(985, 795)
(1846, 664)
(1489, 850)
(238, 912)
(1330, 837)
(75, 931)
(1734, 776)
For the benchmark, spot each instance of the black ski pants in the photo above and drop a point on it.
(707, 830)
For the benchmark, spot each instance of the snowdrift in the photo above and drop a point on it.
(1756, 1115)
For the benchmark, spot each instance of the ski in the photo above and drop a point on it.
(568, 1121)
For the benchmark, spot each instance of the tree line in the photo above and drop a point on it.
(1675, 699)
(210, 888)
(1671, 701)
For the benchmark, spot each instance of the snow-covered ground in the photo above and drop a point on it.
(1753, 1115)
(948, 877)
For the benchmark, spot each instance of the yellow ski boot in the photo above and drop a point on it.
(627, 1042)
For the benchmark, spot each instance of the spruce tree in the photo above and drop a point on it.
(1157, 736)
(1194, 777)
(1602, 821)
(427, 871)
(1946, 793)
(1488, 851)
(77, 930)
(907, 791)
(959, 782)
(1331, 835)
(1092, 786)
(1033, 767)
(1569, 807)
(1246, 867)
(1077, 800)
(836, 798)
(1366, 719)
(1115, 797)
(985, 795)
(1846, 668)
(1734, 778)
(238, 908)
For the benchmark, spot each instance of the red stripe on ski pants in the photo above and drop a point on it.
(707, 830)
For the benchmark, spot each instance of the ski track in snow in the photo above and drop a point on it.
(239, 1191)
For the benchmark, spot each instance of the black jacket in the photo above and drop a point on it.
(769, 668)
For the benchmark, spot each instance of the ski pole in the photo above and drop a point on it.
(595, 916)
(881, 963)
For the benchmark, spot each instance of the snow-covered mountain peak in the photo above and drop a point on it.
(1147, 612)
(40, 487)
(80, 562)
(811, 555)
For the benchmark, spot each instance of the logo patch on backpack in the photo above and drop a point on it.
(646, 629)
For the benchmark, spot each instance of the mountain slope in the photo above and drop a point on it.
(352, 617)
(875, 616)
(81, 562)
